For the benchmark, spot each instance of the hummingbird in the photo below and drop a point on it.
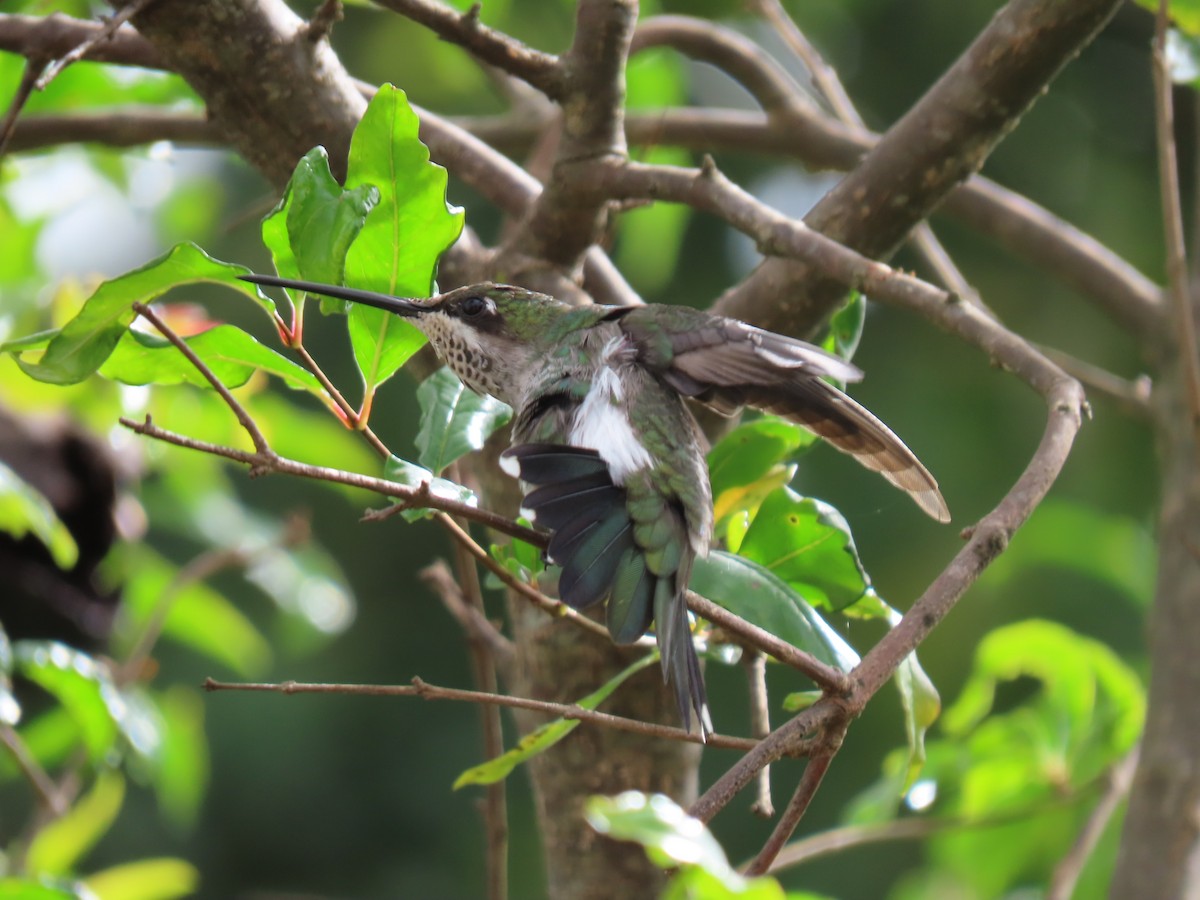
(611, 459)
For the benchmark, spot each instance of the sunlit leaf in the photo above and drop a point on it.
(398, 248)
(546, 736)
(758, 596)
(807, 543)
(454, 419)
(410, 474)
(58, 847)
(37, 889)
(323, 219)
(84, 343)
(50, 737)
(10, 710)
(846, 327)
(24, 510)
(83, 687)
(1184, 13)
(922, 705)
(162, 878)
(751, 450)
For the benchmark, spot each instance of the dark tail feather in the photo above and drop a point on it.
(680, 665)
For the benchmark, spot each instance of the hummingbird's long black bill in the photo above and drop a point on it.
(398, 305)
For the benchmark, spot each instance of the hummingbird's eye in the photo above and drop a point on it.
(473, 306)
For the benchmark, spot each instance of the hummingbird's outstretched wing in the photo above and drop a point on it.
(727, 364)
(628, 543)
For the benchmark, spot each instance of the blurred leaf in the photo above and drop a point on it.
(398, 248)
(403, 472)
(521, 559)
(24, 510)
(921, 703)
(163, 878)
(41, 889)
(81, 685)
(84, 343)
(454, 419)
(61, 844)
(231, 354)
(546, 736)
(50, 737)
(655, 79)
(199, 617)
(1113, 549)
(18, 262)
(671, 838)
(800, 700)
(182, 775)
(747, 589)
(1076, 672)
(807, 543)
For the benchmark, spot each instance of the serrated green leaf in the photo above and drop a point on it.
(747, 589)
(403, 472)
(58, 848)
(24, 510)
(546, 736)
(454, 420)
(85, 342)
(81, 685)
(323, 219)
(807, 543)
(231, 354)
(163, 878)
(199, 617)
(397, 250)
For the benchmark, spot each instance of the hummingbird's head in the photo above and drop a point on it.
(486, 333)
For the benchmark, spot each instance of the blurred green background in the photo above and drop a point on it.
(350, 797)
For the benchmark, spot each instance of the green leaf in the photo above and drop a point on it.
(546, 736)
(807, 543)
(24, 510)
(42, 889)
(231, 354)
(398, 248)
(671, 837)
(50, 738)
(751, 450)
(403, 472)
(521, 559)
(747, 589)
(163, 878)
(846, 327)
(650, 237)
(81, 685)
(85, 342)
(181, 777)
(323, 219)
(1115, 550)
(922, 705)
(58, 848)
(454, 420)
(199, 617)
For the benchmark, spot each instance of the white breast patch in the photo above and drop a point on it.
(602, 424)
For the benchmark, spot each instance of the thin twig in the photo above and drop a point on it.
(263, 451)
(759, 705)
(1070, 867)
(34, 66)
(814, 771)
(1172, 212)
(43, 785)
(342, 403)
(105, 33)
(483, 665)
(474, 623)
(423, 689)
